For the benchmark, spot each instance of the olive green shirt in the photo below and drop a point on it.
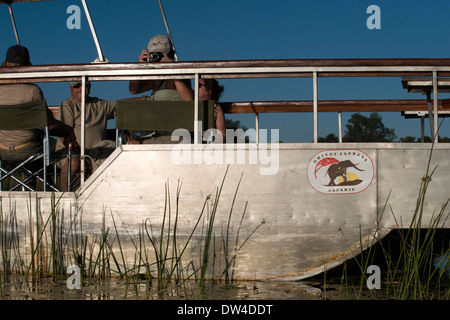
(97, 114)
(14, 94)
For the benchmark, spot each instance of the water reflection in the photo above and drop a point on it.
(18, 287)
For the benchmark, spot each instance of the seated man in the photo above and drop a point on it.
(97, 114)
(17, 145)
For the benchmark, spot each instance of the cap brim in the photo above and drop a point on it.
(74, 83)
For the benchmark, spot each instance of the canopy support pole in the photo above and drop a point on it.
(167, 29)
(197, 133)
(435, 101)
(340, 126)
(13, 23)
(83, 128)
(94, 34)
(430, 113)
(315, 106)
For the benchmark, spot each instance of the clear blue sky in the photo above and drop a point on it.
(244, 29)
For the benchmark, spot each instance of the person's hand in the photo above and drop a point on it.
(70, 142)
(144, 56)
(88, 166)
(165, 58)
(75, 147)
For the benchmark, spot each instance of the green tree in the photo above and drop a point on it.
(425, 139)
(408, 139)
(230, 124)
(368, 129)
(329, 138)
(235, 125)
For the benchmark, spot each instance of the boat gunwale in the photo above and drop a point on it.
(229, 69)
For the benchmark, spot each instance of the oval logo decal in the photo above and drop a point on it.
(340, 171)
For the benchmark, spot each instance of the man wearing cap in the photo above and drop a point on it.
(17, 145)
(160, 49)
(97, 114)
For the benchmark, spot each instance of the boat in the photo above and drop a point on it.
(279, 211)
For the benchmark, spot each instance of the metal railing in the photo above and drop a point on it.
(430, 68)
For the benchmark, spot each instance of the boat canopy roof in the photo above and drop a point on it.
(18, 1)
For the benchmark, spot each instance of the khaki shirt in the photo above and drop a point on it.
(97, 114)
(12, 94)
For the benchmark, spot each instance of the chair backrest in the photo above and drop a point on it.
(25, 116)
(135, 114)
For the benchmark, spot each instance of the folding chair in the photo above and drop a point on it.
(166, 116)
(27, 116)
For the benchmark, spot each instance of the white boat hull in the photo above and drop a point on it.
(293, 225)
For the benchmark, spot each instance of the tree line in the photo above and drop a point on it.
(359, 129)
(371, 129)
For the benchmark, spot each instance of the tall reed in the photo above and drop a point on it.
(169, 258)
(55, 244)
(406, 275)
(410, 273)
